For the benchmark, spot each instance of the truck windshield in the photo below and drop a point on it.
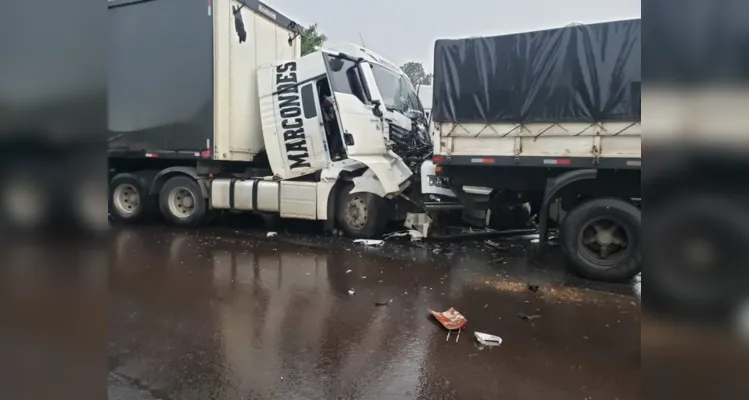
(396, 90)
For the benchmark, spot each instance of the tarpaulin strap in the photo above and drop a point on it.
(455, 125)
(547, 129)
(628, 126)
(484, 128)
(590, 126)
(511, 130)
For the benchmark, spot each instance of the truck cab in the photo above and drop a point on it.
(334, 110)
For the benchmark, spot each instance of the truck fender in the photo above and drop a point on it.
(342, 177)
(368, 183)
(144, 177)
(553, 187)
(330, 222)
(167, 173)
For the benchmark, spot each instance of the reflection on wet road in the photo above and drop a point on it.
(224, 315)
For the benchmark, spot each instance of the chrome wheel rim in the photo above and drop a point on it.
(356, 212)
(126, 199)
(181, 203)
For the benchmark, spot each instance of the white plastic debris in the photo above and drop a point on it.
(370, 242)
(351, 292)
(348, 272)
(395, 235)
(414, 234)
(486, 339)
(271, 234)
(419, 222)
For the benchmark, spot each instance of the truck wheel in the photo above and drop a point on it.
(601, 240)
(128, 199)
(360, 215)
(181, 201)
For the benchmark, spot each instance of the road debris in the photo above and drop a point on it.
(452, 320)
(351, 292)
(529, 318)
(488, 340)
(369, 242)
(414, 234)
(532, 288)
(271, 234)
(348, 272)
(419, 222)
(383, 303)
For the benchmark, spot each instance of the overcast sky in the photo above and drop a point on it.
(405, 30)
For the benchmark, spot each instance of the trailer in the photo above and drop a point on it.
(550, 119)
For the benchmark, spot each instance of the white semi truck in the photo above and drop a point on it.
(219, 111)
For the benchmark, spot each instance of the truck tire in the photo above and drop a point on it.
(128, 199)
(181, 202)
(601, 240)
(360, 215)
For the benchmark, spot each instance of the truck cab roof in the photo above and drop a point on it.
(356, 51)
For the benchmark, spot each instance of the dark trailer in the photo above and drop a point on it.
(579, 73)
(182, 82)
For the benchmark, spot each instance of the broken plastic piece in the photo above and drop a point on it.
(533, 288)
(370, 242)
(486, 339)
(414, 234)
(271, 234)
(383, 303)
(451, 319)
(420, 222)
(351, 292)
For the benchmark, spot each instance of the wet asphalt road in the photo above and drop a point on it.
(225, 314)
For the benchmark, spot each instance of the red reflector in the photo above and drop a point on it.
(438, 159)
(488, 161)
(205, 154)
(563, 161)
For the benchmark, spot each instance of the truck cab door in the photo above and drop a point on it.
(364, 132)
(291, 117)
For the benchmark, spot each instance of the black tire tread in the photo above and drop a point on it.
(573, 222)
(376, 222)
(201, 205)
(146, 201)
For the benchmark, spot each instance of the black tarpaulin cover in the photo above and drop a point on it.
(580, 73)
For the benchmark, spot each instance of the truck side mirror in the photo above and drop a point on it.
(336, 64)
(376, 109)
